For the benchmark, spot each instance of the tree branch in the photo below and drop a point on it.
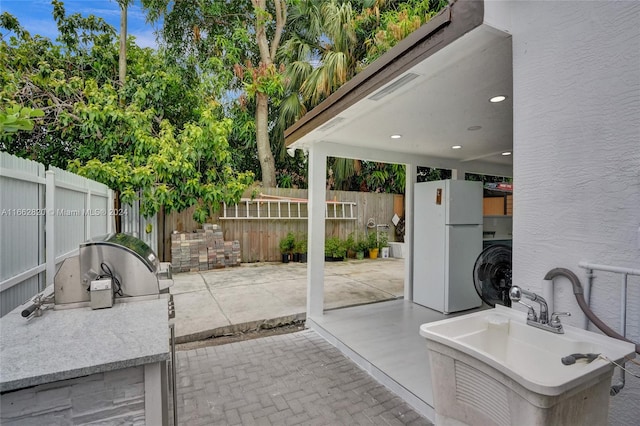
(260, 9)
(281, 19)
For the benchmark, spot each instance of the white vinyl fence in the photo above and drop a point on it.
(133, 223)
(44, 216)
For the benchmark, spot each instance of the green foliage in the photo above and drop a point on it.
(329, 42)
(357, 175)
(428, 174)
(175, 169)
(288, 243)
(75, 82)
(487, 178)
(383, 240)
(301, 244)
(265, 79)
(372, 240)
(209, 54)
(289, 178)
(319, 53)
(334, 247)
(361, 245)
(384, 24)
(17, 118)
(160, 138)
(350, 242)
(236, 42)
(40, 74)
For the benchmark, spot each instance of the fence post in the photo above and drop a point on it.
(87, 215)
(112, 218)
(42, 235)
(50, 248)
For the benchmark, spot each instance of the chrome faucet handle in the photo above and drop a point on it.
(531, 314)
(555, 317)
(515, 294)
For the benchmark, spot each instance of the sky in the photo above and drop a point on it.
(36, 17)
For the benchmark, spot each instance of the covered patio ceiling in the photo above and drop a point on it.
(433, 91)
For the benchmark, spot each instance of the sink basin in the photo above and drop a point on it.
(494, 353)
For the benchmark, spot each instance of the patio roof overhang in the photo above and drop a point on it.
(433, 89)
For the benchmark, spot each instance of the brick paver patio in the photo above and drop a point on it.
(290, 379)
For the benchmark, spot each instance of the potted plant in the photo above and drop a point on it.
(383, 245)
(334, 249)
(287, 245)
(372, 245)
(295, 254)
(360, 248)
(350, 245)
(301, 249)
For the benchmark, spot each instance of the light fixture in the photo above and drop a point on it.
(456, 147)
(291, 152)
(497, 99)
(506, 153)
(472, 128)
(396, 136)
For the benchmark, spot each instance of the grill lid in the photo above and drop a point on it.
(132, 244)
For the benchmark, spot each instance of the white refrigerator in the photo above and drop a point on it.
(447, 241)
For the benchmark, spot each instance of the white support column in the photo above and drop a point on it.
(409, 189)
(316, 230)
(50, 246)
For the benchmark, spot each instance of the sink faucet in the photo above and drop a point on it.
(541, 320)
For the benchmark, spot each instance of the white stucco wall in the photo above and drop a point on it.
(576, 79)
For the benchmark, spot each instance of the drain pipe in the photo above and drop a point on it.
(625, 272)
(587, 294)
(548, 295)
(578, 292)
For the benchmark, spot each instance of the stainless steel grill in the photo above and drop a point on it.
(114, 268)
(127, 263)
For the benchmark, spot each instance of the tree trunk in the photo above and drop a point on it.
(267, 164)
(267, 56)
(122, 60)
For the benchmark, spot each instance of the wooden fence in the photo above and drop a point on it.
(259, 238)
(44, 216)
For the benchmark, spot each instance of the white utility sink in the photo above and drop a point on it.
(480, 358)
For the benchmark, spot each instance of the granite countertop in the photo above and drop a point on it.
(68, 343)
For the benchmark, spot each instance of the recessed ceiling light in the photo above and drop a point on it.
(472, 128)
(506, 153)
(456, 147)
(396, 136)
(496, 99)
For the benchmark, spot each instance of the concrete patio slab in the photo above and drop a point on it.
(249, 303)
(196, 313)
(188, 283)
(239, 299)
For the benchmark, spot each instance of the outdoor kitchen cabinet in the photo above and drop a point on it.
(75, 366)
